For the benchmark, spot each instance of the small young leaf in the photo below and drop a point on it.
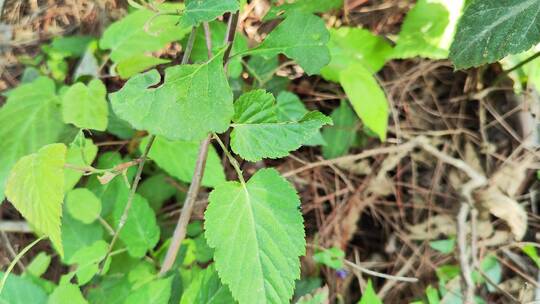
(36, 188)
(530, 251)
(341, 136)
(304, 6)
(77, 235)
(289, 107)
(39, 265)
(137, 63)
(193, 101)
(86, 106)
(443, 246)
(178, 158)
(198, 11)
(67, 294)
(21, 290)
(256, 226)
(30, 119)
(428, 29)
(332, 257)
(207, 288)
(141, 232)
(370, 296)
(349, 46)
(302, 37)
(490, 30)
(88, 259)
(155, 292)
(367, 98)
(258, 134)
(83, 205)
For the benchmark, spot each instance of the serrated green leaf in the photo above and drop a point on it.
(367, 98)
(349, 46)
(302, 37)
(30, 119)
(178, 158)
(193, 101)
(207, 288)
(490, 30)
(83, 205)
(198, 11)
(86, 106)
(370, 296)
(67, 294)
(428, 29)
(258, 134)
(35, 187)
(128, 37)
(77, 235)
(88, 259)
(291, 108)
(304, 6)
(155, 292)
(342, 135)
(259, 227)
(81, 152)
(21, 290)
(141, 232)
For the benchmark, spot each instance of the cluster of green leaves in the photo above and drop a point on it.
(248, 247)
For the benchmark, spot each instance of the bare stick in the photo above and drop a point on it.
(15, 226)
(181, 226)
(132, 192)
(379, 274)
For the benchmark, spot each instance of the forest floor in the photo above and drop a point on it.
(389, 206)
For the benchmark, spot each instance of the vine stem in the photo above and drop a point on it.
(181, 226)
(232, 160)
(133, 190)
(16, 260)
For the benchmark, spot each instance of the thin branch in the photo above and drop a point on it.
(208, 39)
(16, 260)
(15, 226)
(232, 160)
(189, 45)
(125, 213)
(183, 220)
(181, 226)
(379, 274)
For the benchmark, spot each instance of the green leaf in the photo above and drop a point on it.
(155, 292)
(156, 189)
(83, 205)
(178, 158)
(342, 135)
(258, 134)
(81, 152)
(490, 30)
(88, 259)
(86, 106)
(72, 46)
(367, 98)
(304, 6)
(289, 107)
(77, 235)
(137, 63)
(67, 294)
(443, 246)
(193, 101)
(21, 290)
(370, 296)
(30, 119)
(198, 11)
(207, 288)
(111, 290)
(256, 226)
(35, 187)
(141, 232)
(302, 37)
(428, 29)
(332, 257)
(349, 46)
(127, 37)
(530, 251)
(39, 265)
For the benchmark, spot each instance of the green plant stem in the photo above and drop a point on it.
(517, 66)
(232, 160)
(125, 213)
(181, 226)
(16, 260)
